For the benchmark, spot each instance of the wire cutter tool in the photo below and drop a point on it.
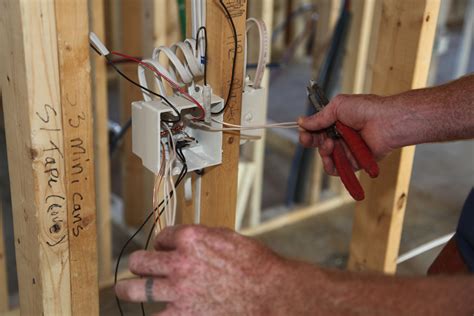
(354, 142)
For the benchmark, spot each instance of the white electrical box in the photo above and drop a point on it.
(253, 110)
(147, 117)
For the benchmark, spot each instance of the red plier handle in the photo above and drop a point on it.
(355, 143)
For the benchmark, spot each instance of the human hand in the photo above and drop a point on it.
(209, 271)
(372, 116)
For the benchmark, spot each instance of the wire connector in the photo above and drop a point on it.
(98, 45)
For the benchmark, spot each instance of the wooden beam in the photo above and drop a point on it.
(146, 24)
(402, 58)
(101, 143)
(299, 215)
(72, 27)
(356, 50)
(219, 184)
(328, 12)
(46, 90)
(261, 10)
(135, 183)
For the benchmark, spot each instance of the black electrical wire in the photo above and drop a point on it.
(178, 115)
(111, 63)
(229, 94)
(203, 28)
(181, 175)
(129, 240)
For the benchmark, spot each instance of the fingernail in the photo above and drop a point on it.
(300, 120)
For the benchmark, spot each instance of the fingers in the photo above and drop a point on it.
(179, 236)
(146, 290)
(152, 263)
(320, 120)
(310, 140)
(166, 239)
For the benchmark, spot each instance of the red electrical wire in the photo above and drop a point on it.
(171, 82)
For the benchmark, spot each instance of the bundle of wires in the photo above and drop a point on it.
(154, 213)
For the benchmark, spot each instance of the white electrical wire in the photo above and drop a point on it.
(169, 189)
(156, 187)
(292, 124)
(242, 128)
(424, 248)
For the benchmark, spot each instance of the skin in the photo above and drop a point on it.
(215, 271)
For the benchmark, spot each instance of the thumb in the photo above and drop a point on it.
(323, 119)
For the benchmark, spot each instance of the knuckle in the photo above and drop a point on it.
(135, 260)
(190, 234)
(340, 98)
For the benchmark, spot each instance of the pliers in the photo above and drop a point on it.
(359, 149)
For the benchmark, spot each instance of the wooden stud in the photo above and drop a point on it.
(328, 12)
(402, 57)
(72, 27)
(136, 180)
(46, 90)
(219, 184)
(261, 10)
(101, 144)
(356, 51)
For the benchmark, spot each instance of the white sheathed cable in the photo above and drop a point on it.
(424, 248)
(143, 81)
(264, 48)
(98, 44)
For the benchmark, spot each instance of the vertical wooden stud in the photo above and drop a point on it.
(402, 52)
(262, 10)
(328, 12)
(356, 51)
(101, 144)
(46, 90)
(136, 180)
(219, 184)
(72, 26)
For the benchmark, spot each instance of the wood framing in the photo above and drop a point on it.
(145, 24)
(101, 143)
(356, 50)
(328, 12)
(219, 184)
(46, 89)
(262, 10)
(137, 181)
(402, 51)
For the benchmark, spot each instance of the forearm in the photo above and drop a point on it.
(345, 293)
(437, 114)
